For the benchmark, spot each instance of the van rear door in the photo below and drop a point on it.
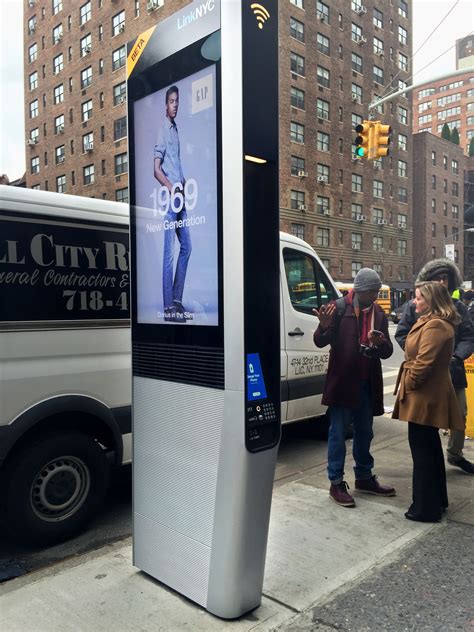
(306, 286)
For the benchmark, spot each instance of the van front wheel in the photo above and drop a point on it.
(54, 487)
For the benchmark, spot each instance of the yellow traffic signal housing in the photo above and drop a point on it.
(381, 140)
(364, 139)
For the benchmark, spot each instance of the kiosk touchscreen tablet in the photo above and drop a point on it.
(203, 152)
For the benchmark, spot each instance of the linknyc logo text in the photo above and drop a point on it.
(197, 13)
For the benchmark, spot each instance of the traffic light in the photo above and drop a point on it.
(364, 138)
(381, 140)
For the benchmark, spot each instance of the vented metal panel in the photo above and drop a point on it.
(202, 366)
(175, 560)
(176, 440)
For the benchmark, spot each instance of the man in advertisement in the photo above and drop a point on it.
(169, 173)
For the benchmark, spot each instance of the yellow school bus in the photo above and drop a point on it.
(383, 298)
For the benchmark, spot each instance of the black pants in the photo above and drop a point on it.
(430, 494)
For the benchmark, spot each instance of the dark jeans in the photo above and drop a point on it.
(430, 494)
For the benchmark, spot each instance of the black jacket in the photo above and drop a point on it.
(463, 339)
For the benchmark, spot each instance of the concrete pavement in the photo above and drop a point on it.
(319, 556)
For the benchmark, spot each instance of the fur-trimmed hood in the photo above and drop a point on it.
(429, 270)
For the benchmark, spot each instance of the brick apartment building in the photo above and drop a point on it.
(469, 219)
(448, 101)
(334, 58)
(438, 199)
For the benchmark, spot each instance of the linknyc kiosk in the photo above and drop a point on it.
(203, 150)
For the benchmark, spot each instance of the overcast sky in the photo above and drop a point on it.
(427, 14)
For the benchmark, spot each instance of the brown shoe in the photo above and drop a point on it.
(340, 495)
(372, 486)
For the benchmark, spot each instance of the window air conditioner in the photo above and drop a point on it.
(61, 159)
(326, 211)
(302, 207)
(360, 40)
(355, 97)
(31, 142)
(355, 246)
(322, 179)
(302, 174)
(89, 147)
(32, 29)
(152, 5)
(321, 16)
(382, 222)
(31, 3)
(61, 129)
(122, 27)
(122, 100)
(379, 53)
(87, 49)
(361, 218)
(58, 38)
(361, 10)
(402, 225)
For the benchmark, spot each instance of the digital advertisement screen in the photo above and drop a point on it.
(177, 203)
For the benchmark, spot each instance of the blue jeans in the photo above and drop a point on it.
(363, 420)
(173, 289)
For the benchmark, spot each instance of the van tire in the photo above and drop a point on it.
(55, 485)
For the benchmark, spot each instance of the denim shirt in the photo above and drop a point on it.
(167, 150)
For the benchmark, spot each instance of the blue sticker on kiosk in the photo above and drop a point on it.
(255, 382)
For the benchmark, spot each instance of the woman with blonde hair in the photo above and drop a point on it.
(426, 397)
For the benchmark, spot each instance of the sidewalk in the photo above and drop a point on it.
(316, 551)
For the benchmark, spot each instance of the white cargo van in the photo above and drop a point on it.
(65, 383)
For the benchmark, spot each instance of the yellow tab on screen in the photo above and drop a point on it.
(137, 50)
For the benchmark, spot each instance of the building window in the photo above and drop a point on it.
(86, 109)
(402, 115)
(403, 9)
(297, 64)
(322, 109)
(59, 154)
(120, 128)
(323, 77)
(356, 119)
(118, 23)
(86, 45)
(85, 13)
(33, 80)
(356, 266)
(402, 142)
(86, 77)
(356, 180)
(356, 241)
(298, 3)
(297, 98)
(34, 135)
(454, 166)
(119, 93)
(433, 205)
(88, 174)
(402, 220)
(59, 124)
(297, 132)
(298, 166)
(433, 229)
(402, 61)
(377, 243)
(356, 92)
(119, 58)
(402, 169)
(378, 189)
(57, 33)
(120, 164)
(322, 141)
(297, 200)
(88, 142)
(34, 108)
(322, 10)
(378, 18)
(322, 237)
(356, 32)
(356, 62)
(33, 53)
(323, 172)
(454, 189)
(58, 96)
(378, 75)
(34, 165)
(378, 46)
(297, 29)
(455, 211)
(323, 44)
(57, 6)
(61, 184)
(356, 211)
(402, 195)
(322, 205)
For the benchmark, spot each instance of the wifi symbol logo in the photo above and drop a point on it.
(261, 14)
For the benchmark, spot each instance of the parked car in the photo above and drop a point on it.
(396, 314)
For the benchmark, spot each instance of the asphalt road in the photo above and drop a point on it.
(301, 448)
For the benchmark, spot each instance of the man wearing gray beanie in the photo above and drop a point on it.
(357, 330)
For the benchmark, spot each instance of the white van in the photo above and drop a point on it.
(65, 383)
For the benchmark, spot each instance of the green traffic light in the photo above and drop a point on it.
(360, 151)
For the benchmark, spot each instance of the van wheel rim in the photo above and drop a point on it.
(60, 488)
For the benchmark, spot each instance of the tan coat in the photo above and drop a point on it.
(426, 395)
